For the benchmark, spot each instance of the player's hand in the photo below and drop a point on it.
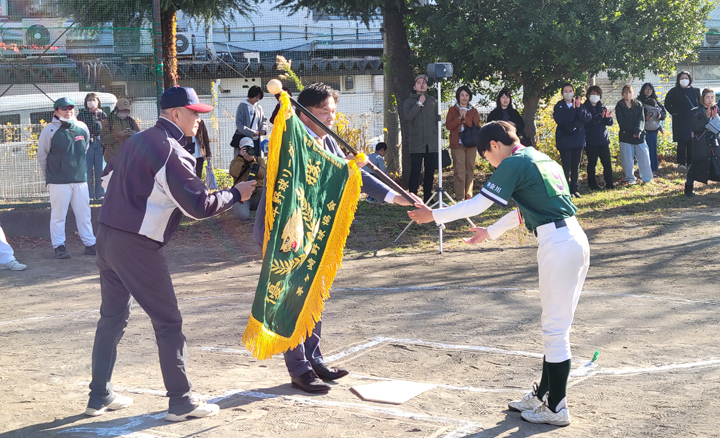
(576, 102)
(246, 189)
(636, 135)
(422, 215)
(263, 132)
(422, 98)
(481, 235)
(400, 200)
(463, 113)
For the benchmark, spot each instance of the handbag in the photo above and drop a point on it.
(235, 142)
(654, 123)
(468, 136)
(210, 180)
(446, 161)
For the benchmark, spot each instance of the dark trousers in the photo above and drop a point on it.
(602, 152)
(651, 141)
(95, 165)
(199, 166)
(416, 165)
(133, 266)
(301, 359)
(684, 152)
(571, 166)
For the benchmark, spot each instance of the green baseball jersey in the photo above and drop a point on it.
(537, 185)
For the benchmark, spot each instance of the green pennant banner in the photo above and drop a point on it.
(311, 197)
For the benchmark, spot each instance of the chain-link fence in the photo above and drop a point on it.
(108, 48)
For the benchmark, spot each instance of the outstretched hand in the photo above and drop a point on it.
(422, 215)
(481, 235)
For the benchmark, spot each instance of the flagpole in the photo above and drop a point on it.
(382, 176)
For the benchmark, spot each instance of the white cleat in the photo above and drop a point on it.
(201, 410)
(527, 403)
(13, 266)
(118, 402)
(544, 415)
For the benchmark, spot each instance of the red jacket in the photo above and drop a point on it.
(453, 122)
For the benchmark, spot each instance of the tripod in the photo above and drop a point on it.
(440, 191)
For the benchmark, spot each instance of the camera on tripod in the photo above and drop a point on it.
(440, 70)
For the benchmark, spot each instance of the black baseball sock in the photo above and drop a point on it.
(544, 386)
(558, 374)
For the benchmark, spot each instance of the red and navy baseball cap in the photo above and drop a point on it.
(183, 96)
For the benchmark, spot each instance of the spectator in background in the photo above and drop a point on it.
(240, 170)
(93, 117)
(504, 111)
(460, 116)
(378, 157)
(199, 147)
(61, 156)
(571, 117)
(420, 111)
(631, 121)
(704, 166)
(250, 120)
(277, 107)
(7, 255)
(679, 102)
(654, 115)
(118, 127)
(597, 140)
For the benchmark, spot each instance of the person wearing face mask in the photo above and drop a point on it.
(118, 127)
(460, 116)
(705, 148)
(571, 117)
(61, 156)
(240, 170)
(150, 185)
(420, 112)
(631, 121)
(505, 111)
(93, 117)
(597, 140)
(679, 102)
(654, 115)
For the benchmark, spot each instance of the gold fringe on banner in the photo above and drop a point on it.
(257, 338)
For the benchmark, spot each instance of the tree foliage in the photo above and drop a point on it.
(541, 44)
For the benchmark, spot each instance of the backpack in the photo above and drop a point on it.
(654, 123)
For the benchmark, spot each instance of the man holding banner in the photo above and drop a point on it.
(310, 201)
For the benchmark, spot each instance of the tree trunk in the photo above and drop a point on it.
(531, 103)
(401, 75)
(390, 117)
(169, 49)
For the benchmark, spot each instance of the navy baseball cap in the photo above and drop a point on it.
(177, 96)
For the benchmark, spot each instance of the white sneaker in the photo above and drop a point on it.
(201, 410)
(527, 403)
(13, 266)
(544, 415)
(118, 402)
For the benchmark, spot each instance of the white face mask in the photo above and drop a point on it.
(684, 82)
(122, 115)
(594, 98)
(568, 96)
(65, 119)
(91, 104)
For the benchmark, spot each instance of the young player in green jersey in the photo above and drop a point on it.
(538, 186)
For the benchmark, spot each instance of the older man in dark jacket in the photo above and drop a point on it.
(420, 111)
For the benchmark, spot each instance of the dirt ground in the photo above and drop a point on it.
(467, 321)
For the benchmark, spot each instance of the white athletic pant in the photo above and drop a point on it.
(563, 260)
(6, 252)
(639, 152)
(62, 196)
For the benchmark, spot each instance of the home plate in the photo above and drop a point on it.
(395, 392)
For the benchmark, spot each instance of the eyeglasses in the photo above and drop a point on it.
(65, 108)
